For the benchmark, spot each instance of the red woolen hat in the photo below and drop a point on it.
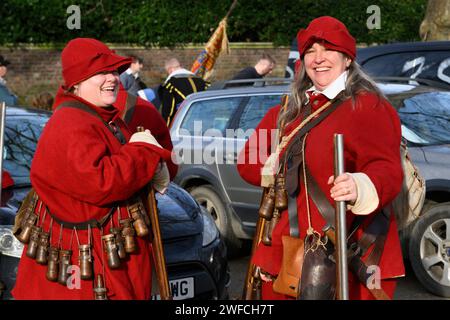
(332, 31)
(84, 57)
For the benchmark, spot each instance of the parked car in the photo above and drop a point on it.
(194, 251)
(207, 142)
(422, 60)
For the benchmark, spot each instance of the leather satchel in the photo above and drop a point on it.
(288, 279)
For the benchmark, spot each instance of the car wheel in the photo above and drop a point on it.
(429, 249)
(211, 201)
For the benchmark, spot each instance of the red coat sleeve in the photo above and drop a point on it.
(378, 154)
(258, 148)
(86, 162)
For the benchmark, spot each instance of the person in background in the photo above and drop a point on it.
(130, 79)
(43, 100)
(5, 94)
(177, 86)
(329, 76)
(264, 66)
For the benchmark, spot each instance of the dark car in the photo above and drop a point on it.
(208, 143)
(194, 251)
(415, 60)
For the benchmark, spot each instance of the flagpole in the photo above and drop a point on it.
(231, 8)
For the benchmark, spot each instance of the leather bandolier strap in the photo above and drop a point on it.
(115, 130)
(294, 151)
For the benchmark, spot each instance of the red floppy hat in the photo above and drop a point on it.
(84, 57)
(332, 31)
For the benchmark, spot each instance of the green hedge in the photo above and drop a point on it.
(175, 22)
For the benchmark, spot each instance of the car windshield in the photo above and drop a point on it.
(21, 136)
(425, 118)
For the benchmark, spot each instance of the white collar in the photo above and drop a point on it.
(2, 81)
(130, 72)
(179, 71)
(334, 88)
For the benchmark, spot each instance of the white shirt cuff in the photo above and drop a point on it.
(367, 200)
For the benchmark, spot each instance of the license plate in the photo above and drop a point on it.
(180, 288)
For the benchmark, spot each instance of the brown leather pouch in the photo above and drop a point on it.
(287, 281)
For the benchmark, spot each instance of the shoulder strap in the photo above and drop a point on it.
(112, 127)
(293, 154)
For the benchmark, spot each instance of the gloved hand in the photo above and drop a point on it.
(144, 136)
(161, 178)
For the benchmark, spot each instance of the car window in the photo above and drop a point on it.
(21, 136)
(424, 65)
(256, 109)
(210, 114)
(426, 118)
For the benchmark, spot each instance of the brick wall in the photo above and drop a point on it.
(34, 70)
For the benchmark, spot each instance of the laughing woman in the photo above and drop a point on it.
(87, 171)
(329, 80)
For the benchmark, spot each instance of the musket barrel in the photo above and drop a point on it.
(2, 136)
(340, 222)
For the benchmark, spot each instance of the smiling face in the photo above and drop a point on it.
(323, 66)
(100, 89)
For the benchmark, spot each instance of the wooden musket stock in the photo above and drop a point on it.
(158, 251)
(252, 281)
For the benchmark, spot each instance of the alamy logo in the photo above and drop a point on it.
(74, 20)
(374, 20)
(374, 280)
(74, 281)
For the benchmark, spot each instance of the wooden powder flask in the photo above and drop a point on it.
(64, 263)
(269, 225)
(99, 289)
(112, 255)
(267, 238)
(42, 250)
(33, 242)
(117, 232)
(137, 214)
(281, 199)
(27, 226)
(85, 261)
(268, 204)
(128, 233)
(29, 220)
(53, 264)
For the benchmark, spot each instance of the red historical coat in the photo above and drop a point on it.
(80, 170)
(372, 136)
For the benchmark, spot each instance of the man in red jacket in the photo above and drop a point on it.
(371, 127)
(88, 171)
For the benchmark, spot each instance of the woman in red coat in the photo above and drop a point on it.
(371, 127)
(87, 170)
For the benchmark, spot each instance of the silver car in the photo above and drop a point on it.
(211, 128)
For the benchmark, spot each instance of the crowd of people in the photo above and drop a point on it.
(100, 163)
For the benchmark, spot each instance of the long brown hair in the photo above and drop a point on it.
(357, 82)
